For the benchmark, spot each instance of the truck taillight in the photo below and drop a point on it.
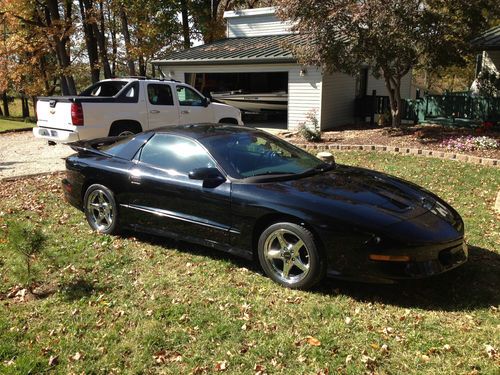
(77, 114)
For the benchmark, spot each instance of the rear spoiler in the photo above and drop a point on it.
(91, 146)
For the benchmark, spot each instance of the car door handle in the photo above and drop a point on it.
(184, 112)
(154, 111)
(136, 180)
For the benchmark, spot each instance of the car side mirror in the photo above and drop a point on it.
(205, 102)
(211, 177)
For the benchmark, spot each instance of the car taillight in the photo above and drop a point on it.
(77, 114)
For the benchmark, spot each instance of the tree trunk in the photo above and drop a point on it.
(5, 101)
(142, 66)
(101, 40)
(68, 86)
(126, 36)
(25, 107)
(393, 85)
(112, 32)
(185, 24)
(86, 10)
(1, 112)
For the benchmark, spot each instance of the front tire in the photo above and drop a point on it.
(100, 209)
(289, 255)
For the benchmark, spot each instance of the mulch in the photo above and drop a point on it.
(428, 137)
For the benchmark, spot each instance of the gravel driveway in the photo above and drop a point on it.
(22, 154)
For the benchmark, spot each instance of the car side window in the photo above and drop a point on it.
(189, 97)
(160, 94)
(176, 155)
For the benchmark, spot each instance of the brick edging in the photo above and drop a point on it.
(404, 151)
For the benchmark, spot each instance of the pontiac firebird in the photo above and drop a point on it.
(249, 193)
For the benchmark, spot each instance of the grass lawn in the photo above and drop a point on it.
(6, 125)
(150, 305)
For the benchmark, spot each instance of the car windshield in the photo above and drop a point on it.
(252, 154)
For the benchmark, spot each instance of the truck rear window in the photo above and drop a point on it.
(105, 89)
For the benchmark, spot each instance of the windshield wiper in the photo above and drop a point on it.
(270, 173)
(320, 168)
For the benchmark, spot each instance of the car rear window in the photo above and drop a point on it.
(104, 89)
(115, 148)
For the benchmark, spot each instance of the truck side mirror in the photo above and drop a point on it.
(205, 102)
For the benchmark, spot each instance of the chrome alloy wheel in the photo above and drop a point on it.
(287, 255)
(100, 210)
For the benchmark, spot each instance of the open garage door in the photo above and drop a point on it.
(262, 96)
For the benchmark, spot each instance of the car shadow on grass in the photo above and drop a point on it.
(472, 286)
(78, 289)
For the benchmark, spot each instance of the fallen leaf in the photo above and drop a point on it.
(259, 369)
(348, 359)
(425, 358)
(384, 349)
(312, 341)
(347, 320)
(76, 357)
(53, 360)
(221, 366)
(446, 347)
(491, 351)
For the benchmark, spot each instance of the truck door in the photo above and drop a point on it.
(192, 106)
(162, 110)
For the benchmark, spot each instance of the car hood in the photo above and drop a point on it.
(361, 194)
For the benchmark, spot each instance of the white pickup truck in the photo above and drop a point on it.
(122, 106)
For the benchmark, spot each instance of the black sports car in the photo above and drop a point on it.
(247, 192)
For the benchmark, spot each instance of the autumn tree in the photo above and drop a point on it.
(391, 36)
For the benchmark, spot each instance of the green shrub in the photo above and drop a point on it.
(312, 132)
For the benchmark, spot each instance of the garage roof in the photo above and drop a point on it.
(248, 50)
(489, 40)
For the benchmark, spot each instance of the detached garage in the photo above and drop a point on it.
(253, 70)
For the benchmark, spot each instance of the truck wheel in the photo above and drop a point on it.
(124, 130)
(228, 120)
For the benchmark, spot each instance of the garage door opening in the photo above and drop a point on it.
(262, 97)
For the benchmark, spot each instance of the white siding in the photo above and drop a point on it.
(337, 103)
(259, 25)
(379, 85)
(304, 95)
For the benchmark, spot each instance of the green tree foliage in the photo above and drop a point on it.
(391, 36)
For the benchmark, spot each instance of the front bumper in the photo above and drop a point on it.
(56, 135)
(425, 261)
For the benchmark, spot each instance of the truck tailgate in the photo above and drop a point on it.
(54, 114)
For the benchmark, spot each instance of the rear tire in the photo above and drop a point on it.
(124, 130)
(100, 209)
(231, 121)
(289, 255)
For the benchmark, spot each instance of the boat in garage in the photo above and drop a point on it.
(253, 102)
